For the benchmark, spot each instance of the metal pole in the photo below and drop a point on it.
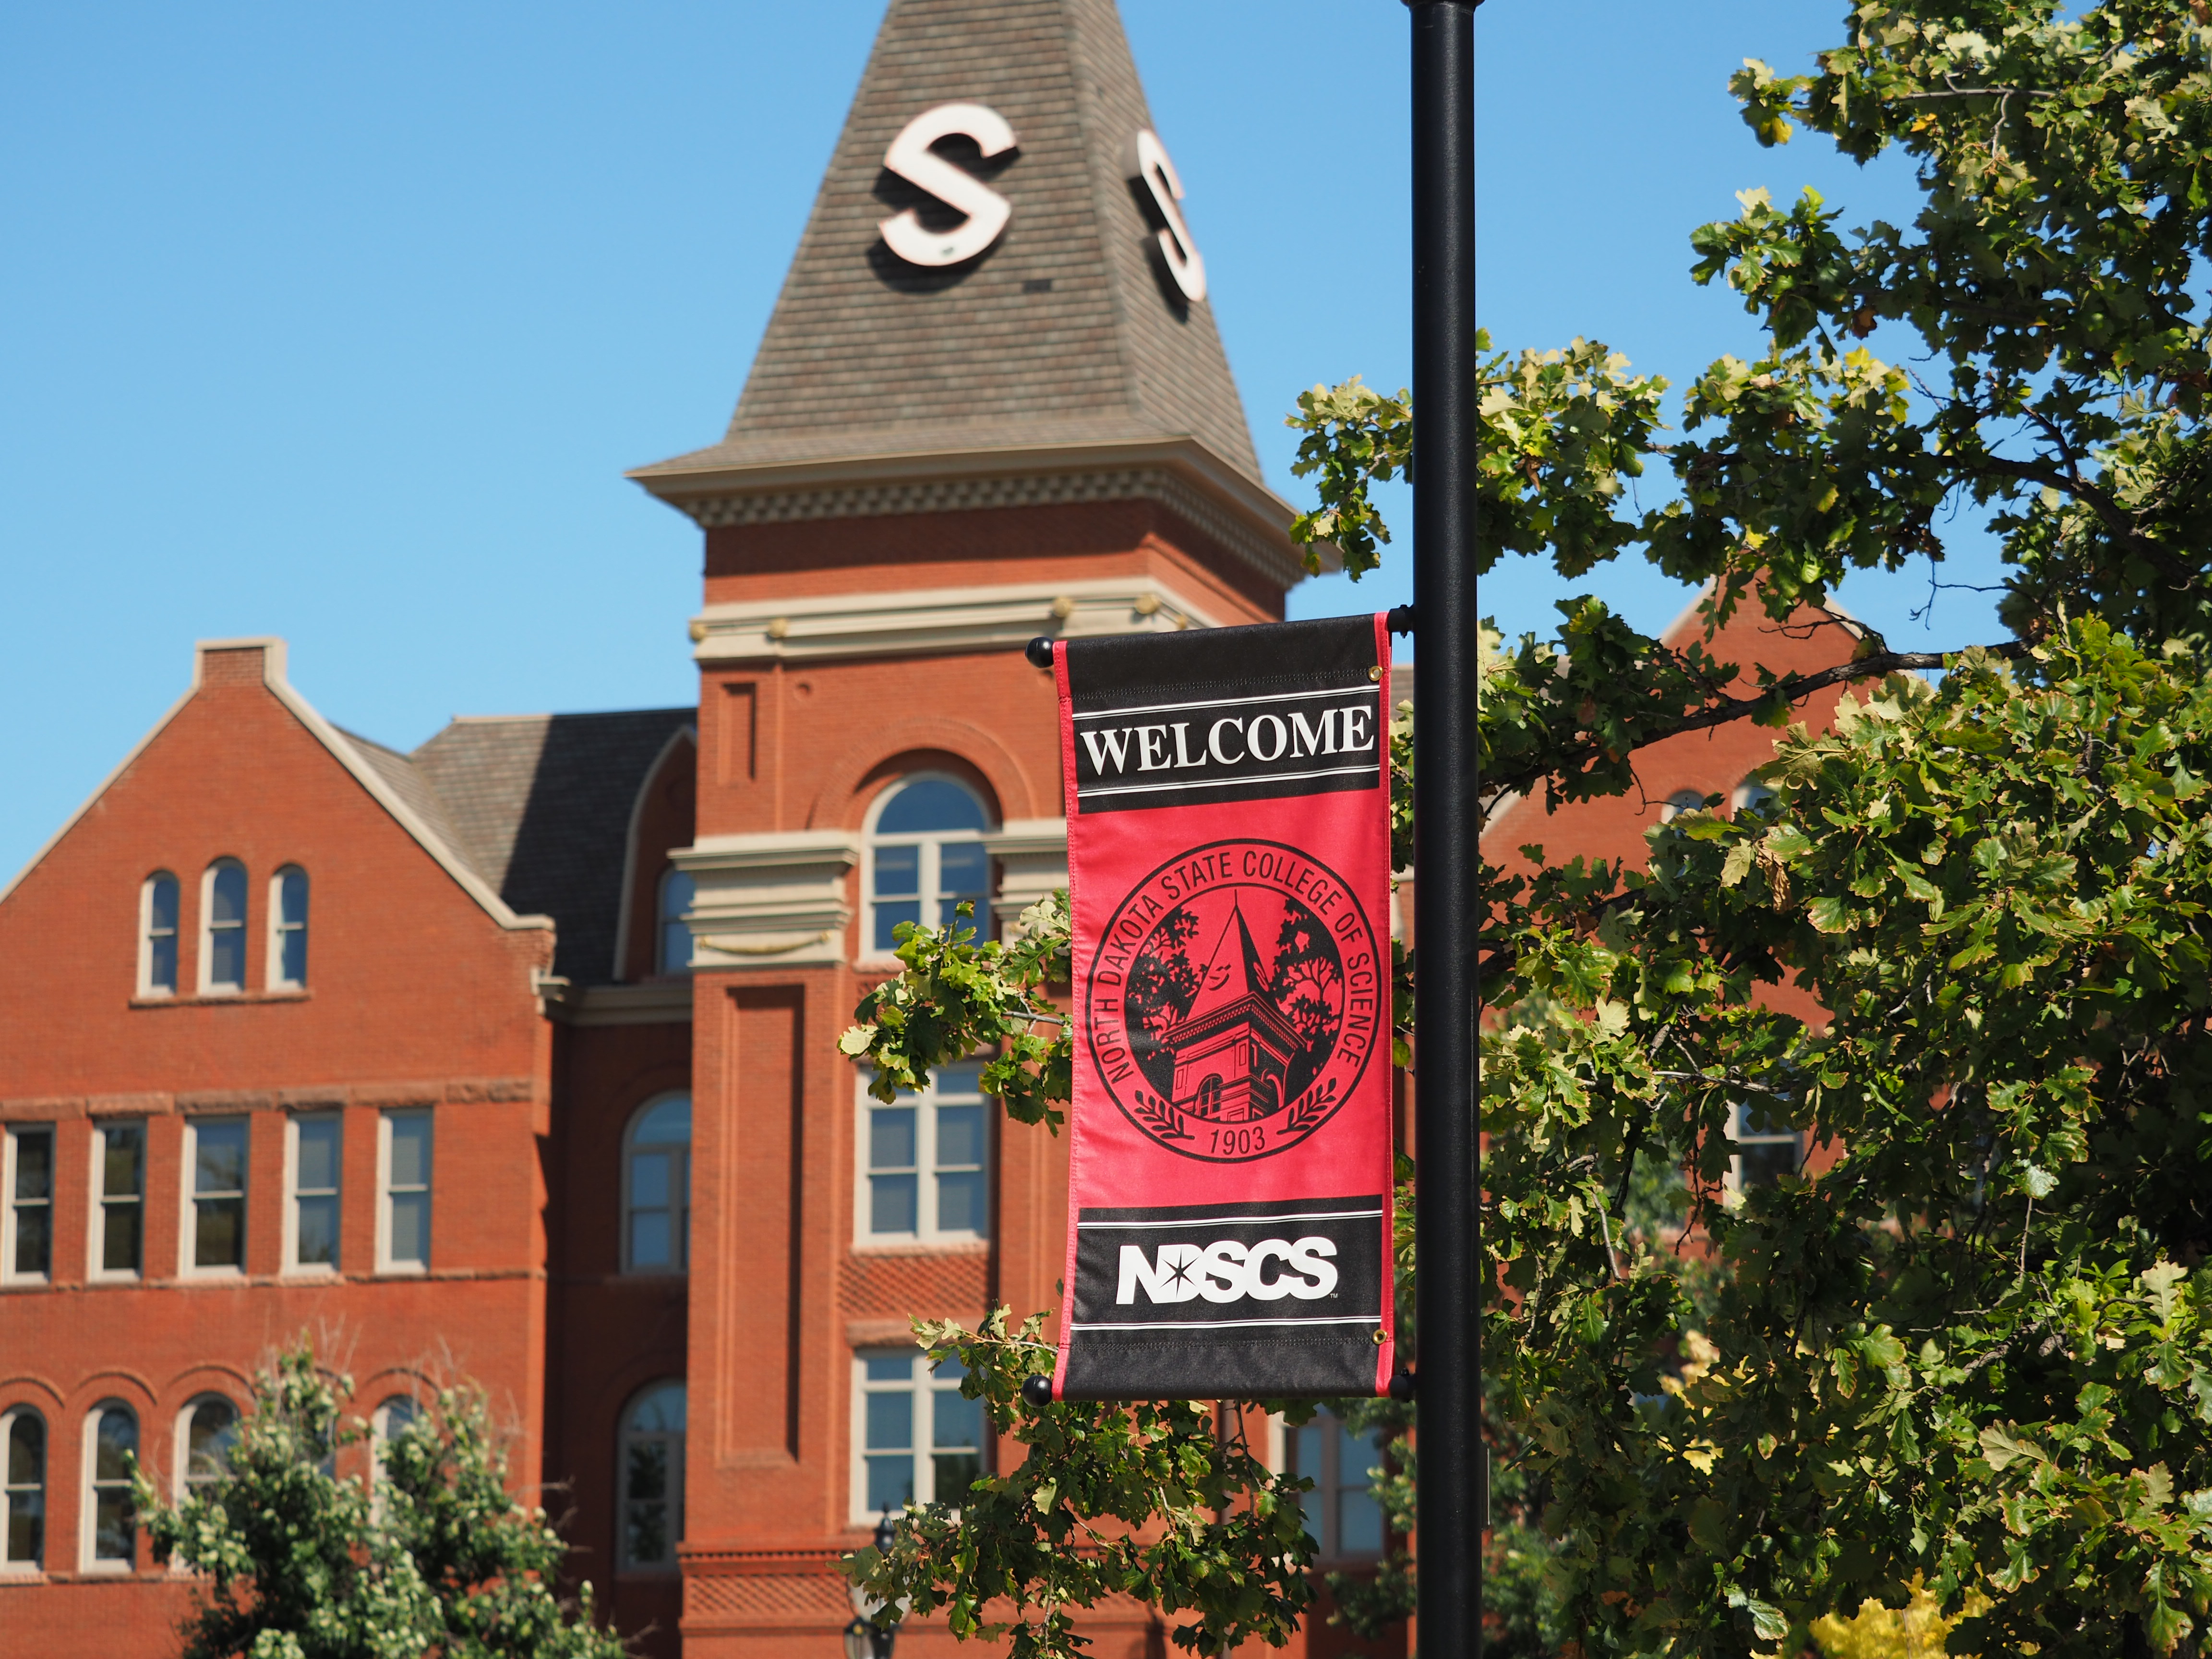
(1448, 1219)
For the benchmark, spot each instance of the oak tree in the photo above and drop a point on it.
(1971, 1358)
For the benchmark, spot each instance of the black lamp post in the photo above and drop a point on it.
(866, 1638)
(1449, 1528)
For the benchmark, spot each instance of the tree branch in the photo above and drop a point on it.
(1796, 689)
(2107, 508)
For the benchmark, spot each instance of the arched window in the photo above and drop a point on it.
(678, 890)
(925, 856)
(1751, 795)
(157, 936)
(23, 1448)
(657, 1187)
(288, 929)
(1681, 801)
(205, 1438)
(222, 927)
(651, 1518)
(111, 1522)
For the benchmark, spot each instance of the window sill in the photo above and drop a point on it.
(922, 1247)
(220, 998)
(225, 1274)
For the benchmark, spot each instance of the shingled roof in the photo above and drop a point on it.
(1065, 335)
(538, 807)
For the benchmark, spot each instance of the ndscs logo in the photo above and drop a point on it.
(1230, 1270)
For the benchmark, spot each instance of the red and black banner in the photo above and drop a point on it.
(1229, 859)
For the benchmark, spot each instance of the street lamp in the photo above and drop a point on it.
(865, 1638)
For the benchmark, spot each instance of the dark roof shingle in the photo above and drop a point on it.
(539, 806)
(1062, 332)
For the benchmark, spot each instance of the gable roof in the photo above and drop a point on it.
(542, 805)
(1064, 336)
(529, 814)
(379, 770)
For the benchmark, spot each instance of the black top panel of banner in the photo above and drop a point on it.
(1226, 715)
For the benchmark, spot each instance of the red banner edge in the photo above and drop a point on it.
(1072, 807)
(1386, 1355)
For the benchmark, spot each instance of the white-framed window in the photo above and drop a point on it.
(924, 1162)
(390, 1420)
(288, 929)
(222, 928)
(207, 1428)
(1751, 795)
(1767, 1146)
(314, 1163)
(110, 1542)
(672, 945)
(403, 1196)
(650, 1479)
(1341, 1515)
(215, 1159)
(914, 1439)
(27, 1219)
(157, 935)
(657, 1187)
(118, 1200)
(23, 1479)
(1681, 801)
(925, 837)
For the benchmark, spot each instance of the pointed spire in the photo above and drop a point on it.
(1232, 972)
(1067, 340)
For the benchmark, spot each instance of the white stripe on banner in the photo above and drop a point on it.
(1367, 770)
(1213, 1220)
(1224, 703)
(1226, 1324)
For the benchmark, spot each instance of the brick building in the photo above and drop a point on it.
(513, 1058)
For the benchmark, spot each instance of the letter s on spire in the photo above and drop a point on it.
(1149, 166)
(912, 159)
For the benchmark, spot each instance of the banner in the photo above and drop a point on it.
(1229, 861)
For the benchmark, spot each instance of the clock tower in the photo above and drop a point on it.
(992, 402)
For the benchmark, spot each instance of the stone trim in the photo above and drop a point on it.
(769, 901)
(453, 1091)
(1032, 854)
(1000, 617)
(660, 1002)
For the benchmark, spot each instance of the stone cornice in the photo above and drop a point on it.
(998, 617)
(659, 1002)
(768, 900)
(1252, 522)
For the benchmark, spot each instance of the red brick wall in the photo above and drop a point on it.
(609, 1334)
(414, 996)
(987, 547)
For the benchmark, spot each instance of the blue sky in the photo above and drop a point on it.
(342, 323)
